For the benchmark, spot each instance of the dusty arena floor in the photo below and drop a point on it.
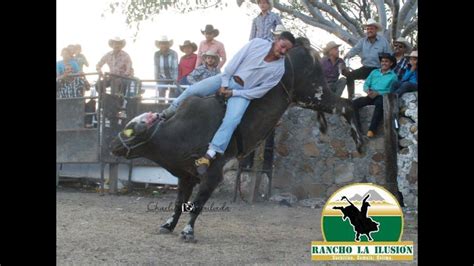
(94, 229)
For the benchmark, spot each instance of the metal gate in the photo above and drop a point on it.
(77, 142)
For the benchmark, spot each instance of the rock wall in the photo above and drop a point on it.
(310, 165)
(408, 154)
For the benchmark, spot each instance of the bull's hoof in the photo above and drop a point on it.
(165, 229)
(188, 237)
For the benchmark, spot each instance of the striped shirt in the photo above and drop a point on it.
(262, 26)
(169, 69)
(401, 68)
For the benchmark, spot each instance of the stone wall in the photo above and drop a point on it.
(309, 164)
(408, 154)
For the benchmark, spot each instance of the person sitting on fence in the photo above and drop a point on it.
(253, 71)
(265, 22)
(119, 63)
(187, 63)
(401, 48)
(80, 58)
(409, 82)
(211, 44)
(376, 85)
(206, 70)
(68, 86)
(332, 65)
(368, 48)
(166, 66)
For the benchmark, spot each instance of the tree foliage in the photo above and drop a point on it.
(343, 18)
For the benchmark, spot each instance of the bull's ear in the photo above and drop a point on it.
(128, 132)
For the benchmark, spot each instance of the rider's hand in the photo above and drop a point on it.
(225, 92)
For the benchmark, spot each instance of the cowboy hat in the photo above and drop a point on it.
(404, 42)
(117, 39)
(188, 43)
(210, 29)
(163, 38)
(279, 29)
(390, 57)
(329, 46)
(372, 22)
(210, 53)
(414, 54)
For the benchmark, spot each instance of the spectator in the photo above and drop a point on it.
(67, 60)
(80, 58)
(409, 81)
(401, 48)
(332, 64)
(119, 63)
(72, 49)
(68, 86)
(368, 48)
(166, 65)
(278, 30)
(265, 22)
(376, 85)
(187, 62)
(208, 69)
(211, 44)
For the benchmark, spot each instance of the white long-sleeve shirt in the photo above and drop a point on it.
(258, 76)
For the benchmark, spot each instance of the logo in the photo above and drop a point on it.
(362, 222)
(187, 207)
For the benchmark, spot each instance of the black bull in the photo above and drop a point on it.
(176, 143)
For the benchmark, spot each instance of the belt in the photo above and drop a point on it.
(238, 80)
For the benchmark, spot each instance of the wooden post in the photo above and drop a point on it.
(130, 172)
(256, 179)
(58, 167)
(237, 182)
(102, 179)
(113, 177)
(390, 114)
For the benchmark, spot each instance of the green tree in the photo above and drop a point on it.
(343, 18)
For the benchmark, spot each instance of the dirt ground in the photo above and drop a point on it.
(94, 229)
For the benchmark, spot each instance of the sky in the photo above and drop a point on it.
(80, 22)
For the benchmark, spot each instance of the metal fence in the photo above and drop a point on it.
(86, 125)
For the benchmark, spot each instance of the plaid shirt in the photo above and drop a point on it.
(119, 64)
(262, 26)
(202, 72)
(168, 71)
(401, 68)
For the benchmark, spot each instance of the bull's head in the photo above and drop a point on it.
(305, 76)
(132, 141)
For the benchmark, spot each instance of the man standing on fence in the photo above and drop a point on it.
(119, 63)
(166, 66)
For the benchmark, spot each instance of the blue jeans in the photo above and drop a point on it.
(401, 87)
(236, 107)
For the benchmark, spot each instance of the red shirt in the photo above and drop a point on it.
(186, 65)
